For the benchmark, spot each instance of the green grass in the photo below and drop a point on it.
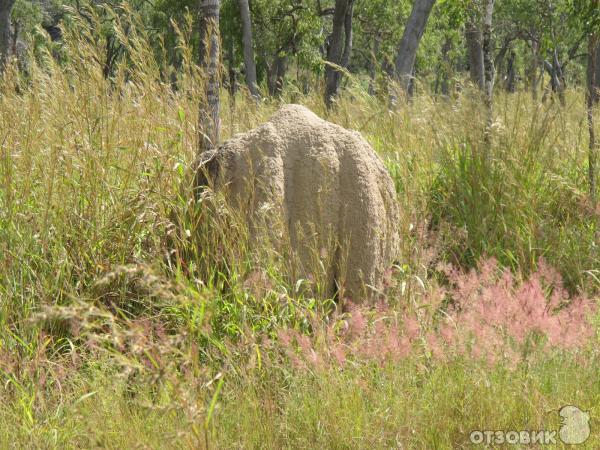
(121, 301)
(408, 405)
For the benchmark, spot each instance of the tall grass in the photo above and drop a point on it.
(132, 315)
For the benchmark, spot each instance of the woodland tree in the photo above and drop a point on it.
(409, 44)
(210, 124)
(339, 47)
(248, 44)
(5, 30)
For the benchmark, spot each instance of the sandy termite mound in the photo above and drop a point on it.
(318, 187)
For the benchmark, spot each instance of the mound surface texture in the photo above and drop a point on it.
(319, 187)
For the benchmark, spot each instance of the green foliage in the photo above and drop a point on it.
(133, 315)
(27, 14)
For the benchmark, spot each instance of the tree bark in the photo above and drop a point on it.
(281, 62)
(511, 72)
(232, 73)
(488, 50)
(443, 75)
(409, 44)
(5, 30)
(474, 38)
(560, 77)
(340, 46)
(597, 73)
(247, 41)
(348, 35)
(210, 125)
(554, 70)
(500, 57)
(533, 70)
(373, 63)
(488, 63)
(591, 97)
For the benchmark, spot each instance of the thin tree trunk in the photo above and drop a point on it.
(500, 57)
(247, 41)
(560, 77)
(210, 125)
(555, 77)
(533, 70)
(232, 74)
(5, 30)
(340, 45)
(511, 72)
(409, 44)
(373, 64)
(592, 95)
(474, 38)
(388, 69)
(280, 70)
(488, 62)
(597, 73)
(444, 71)
(348, 35)
(269, 73)
(14, 38)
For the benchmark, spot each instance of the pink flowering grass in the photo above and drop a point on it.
(487, 314)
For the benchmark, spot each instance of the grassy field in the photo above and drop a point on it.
(133, 317)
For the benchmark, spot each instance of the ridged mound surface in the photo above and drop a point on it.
(322, 187)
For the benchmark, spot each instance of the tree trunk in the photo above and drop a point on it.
(348, 35)
(557, 80)
(592, 82)
(533, 70)
(560, 77)
(210, 124)
(388, 69)
(279, 72)
(5, 30)
(474, 38)
(14, 38)
(500, 57)
(247, 41)
(373, 64)
(444, 70)
(597, 73)
(511, 72)
(340, 46)
(488, 63)
(232, 73)
(409, 44)
(411, 82)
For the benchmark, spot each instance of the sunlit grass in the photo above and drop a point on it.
(123, 303)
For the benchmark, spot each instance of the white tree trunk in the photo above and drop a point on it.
(488, 51)
(488, 63)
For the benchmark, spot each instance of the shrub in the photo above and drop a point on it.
(486, 314)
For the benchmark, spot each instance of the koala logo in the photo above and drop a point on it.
(575, 426)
